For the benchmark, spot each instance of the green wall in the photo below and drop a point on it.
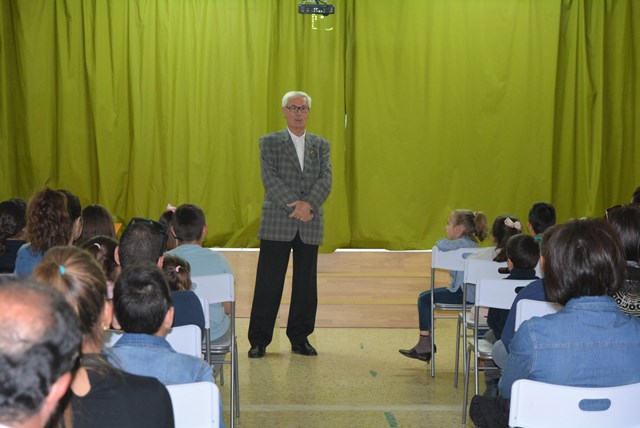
(430, 105)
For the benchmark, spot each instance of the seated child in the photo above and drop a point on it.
(188, 309)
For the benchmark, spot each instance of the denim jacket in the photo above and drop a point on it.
(153, 356)
(589, 343)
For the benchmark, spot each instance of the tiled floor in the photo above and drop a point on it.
(358, 380)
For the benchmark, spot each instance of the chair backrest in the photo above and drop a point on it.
(215, 288)
(205, 310)
(186, 339)
(195, 405)
(110, 337)
(498, 293)
(526, 309)
(538, 404)
(476, 269)
(450, 260)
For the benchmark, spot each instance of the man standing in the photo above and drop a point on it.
(296, 175)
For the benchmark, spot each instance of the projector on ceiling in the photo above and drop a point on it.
(317, 8)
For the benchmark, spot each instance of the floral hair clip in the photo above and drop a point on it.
(513, 224)
(171, 208)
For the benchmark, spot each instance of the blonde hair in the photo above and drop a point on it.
(474, 223)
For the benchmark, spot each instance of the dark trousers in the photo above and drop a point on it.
(272, 267)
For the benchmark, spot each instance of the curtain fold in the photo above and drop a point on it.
(430, 106)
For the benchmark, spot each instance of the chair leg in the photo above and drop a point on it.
(466, 385)
(237, 381)
(455, 376)
(433, 330)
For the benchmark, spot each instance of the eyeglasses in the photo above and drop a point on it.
(295, 109)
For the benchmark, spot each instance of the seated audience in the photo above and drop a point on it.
(39, 348)
(188, 309)
(541, 216)
(96, 220)
(143, 308)
(533, 291)
(588, 343)
(12, 232)
(503, 228)
(103, 249)
(523, 254)
(464, 229)
(190, 228)
(101, 395)
(50, 222)
(625, 220)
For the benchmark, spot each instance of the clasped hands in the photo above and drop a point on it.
(301, 211)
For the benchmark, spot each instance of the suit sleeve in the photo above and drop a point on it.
(276, 189)
(322, 187)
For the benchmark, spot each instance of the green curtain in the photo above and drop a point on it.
(430, 105)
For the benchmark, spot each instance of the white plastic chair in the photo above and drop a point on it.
(195, 405)
(218, 289)
(526, 309)
(474, 270)
(186, 339)
(450, 261)
(491, 293)
(538, 404)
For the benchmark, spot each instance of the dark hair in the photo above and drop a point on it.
(103, 249)
(39, 342)
(585, 258)
(523, 251)
(75, 273)
(96, 220)
(502, 231)
(48, 221)
(167, 219)
(141, 242)
(73, 204)
(13, 219)
(188, 221)
(178, 272)
(141, 299)
(541, 216)
(635, 199)
(625, 220)
(474, 223)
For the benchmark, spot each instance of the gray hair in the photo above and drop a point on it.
(294, 94)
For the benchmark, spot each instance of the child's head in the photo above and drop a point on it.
(96, 220)
(188, 223)
(541, 216)
(166, 219)
(178, 273)
(466, 223)
(504, 227)
(635, 198)
(103, 249)
(142, 299)
(625, 220)
(522, 251)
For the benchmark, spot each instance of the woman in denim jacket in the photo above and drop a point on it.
(590, 342)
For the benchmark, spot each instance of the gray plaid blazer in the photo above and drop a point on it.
(284, 182)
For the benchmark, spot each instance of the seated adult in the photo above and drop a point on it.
(39, 348)
(12, 232)
(96, 221)
(625, 220)
(101, 395)
(590, 342)
(143, 309)
(187, 306)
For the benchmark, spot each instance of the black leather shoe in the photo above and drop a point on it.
(257, 351)
(411, 353)
(304, 348)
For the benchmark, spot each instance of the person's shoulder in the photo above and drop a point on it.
(316, 138)
(274, 137)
